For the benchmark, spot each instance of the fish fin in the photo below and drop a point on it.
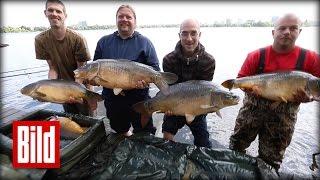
(283, 99)
(41, 94)
(205, 106)
(275, 104)
(189, 118)
(229, 84)
(117, 91)
(93, 95)
(218, 114)
(169, 77)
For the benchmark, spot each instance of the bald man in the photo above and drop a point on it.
(275, 127)
(189, 61)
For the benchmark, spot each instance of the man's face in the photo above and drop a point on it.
(126, 22)
(189, 37)
(55, 14)
(286, 31)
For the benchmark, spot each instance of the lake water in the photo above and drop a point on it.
(229, 46)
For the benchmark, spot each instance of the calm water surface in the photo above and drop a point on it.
(229, 46)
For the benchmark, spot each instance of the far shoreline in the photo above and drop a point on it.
(9, 29)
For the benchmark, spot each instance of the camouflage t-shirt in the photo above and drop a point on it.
(64, 54)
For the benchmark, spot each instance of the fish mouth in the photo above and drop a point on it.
(235, 99)
(28, 89)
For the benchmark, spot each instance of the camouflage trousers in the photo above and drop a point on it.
(275, 128)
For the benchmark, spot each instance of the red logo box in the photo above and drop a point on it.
(36, 144)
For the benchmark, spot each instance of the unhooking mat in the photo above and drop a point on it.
(144, 156)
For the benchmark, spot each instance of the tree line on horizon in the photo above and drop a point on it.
(227, 23)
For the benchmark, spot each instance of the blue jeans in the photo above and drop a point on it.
(198, 127)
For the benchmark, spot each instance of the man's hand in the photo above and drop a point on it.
(78, 80)
(142, 84)
(168, 113)
(301, 96)
(255, 90)
(91, 82)
(93, 104)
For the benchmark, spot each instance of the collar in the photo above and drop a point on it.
(135, 33)
(194, 58)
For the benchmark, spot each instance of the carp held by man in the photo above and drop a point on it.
(59, 91)
(123, 74)
(280, 86)
(189, 99)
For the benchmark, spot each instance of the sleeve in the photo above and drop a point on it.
(152, 58)
(166, 65)
(40, 50)
(250, 65)
(82, 53)
(98, 51)
(208, 69)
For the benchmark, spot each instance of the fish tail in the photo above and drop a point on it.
(228, 84)
(94, 95)
(142, 107)
(169, 77)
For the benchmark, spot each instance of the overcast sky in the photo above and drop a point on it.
(30, 13)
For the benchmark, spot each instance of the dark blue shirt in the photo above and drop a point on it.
(137, 48)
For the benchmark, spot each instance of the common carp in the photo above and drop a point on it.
(69, 129)
(280, 86)
(123, 74)
(190, 98)
(58, 91)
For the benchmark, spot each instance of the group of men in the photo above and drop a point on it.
(65, 50)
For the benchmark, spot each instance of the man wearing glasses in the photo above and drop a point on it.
(189, 61)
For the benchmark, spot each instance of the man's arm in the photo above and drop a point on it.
(88, 86)
(207, 68)
(52, 74)
(166, 65)
(152, 58)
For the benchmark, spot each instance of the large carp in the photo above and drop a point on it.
(123, 74)
(190, 98)
(58, 91)
(280, 86)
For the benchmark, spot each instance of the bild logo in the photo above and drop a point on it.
(36, 144)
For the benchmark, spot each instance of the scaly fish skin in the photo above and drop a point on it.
(280, 86)
(123, 74)
(58, 91)
(190, 98)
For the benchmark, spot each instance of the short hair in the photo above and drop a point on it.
(58, 2)
(129, 7)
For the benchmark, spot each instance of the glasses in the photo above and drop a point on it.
(291, 28)
(185, 34)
